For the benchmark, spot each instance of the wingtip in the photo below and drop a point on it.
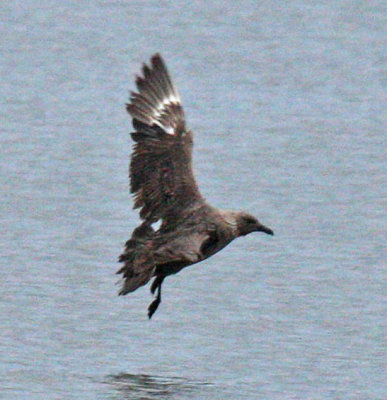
(156, 57)
(158, 62)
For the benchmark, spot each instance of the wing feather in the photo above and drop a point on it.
(161, 176)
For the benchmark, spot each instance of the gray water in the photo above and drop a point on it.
(286, 100)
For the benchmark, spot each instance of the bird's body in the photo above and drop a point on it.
(165, 189)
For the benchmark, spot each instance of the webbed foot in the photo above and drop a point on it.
(156, 302)
(153, 306)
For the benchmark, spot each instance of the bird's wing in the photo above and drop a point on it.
(184, 249)
(161, 174)
(170, 253)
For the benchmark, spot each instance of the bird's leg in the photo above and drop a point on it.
(155, 303)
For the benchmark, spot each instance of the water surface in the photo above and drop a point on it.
(286, 102)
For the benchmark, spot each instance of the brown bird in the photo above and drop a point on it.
(165, 190)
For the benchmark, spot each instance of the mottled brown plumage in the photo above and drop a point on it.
(165, 190)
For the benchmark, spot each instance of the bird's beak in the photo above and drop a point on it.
(263, 228)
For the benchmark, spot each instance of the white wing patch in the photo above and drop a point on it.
(169, 100)
(172, 99)
(157, 101)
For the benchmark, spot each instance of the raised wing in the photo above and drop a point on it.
(161, 174)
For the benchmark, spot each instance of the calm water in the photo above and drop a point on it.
(287, 104)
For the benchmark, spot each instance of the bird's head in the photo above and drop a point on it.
(246, 223)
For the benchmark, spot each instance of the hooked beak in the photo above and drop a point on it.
(263, 228)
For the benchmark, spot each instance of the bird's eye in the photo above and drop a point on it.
(250, 220)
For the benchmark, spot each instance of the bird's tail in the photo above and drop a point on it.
(138, 266)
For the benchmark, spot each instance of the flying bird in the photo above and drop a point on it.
(165, 190)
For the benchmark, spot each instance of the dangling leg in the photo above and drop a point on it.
(156, 284)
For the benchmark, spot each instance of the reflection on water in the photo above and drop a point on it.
(140, 386)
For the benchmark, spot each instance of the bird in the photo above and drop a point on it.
(166, 193)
